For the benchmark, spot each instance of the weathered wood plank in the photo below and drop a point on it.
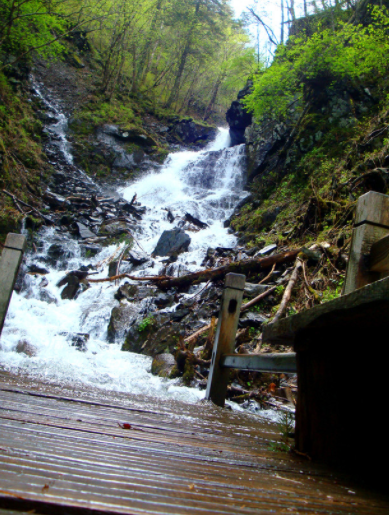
(225, 337)
(285, 363)
(359, 272)
(373, 208)
(62, 456)
(10, 260)
(366, 307)
(379, 255)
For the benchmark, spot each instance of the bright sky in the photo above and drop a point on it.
(239, 5)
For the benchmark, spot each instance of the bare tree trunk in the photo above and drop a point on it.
(176, 87)
(282, 21)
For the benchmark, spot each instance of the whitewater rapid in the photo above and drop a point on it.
(207, 184)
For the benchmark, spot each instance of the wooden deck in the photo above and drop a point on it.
(63, 451)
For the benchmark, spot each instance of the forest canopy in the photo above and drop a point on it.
(187, 54)
(347, 51)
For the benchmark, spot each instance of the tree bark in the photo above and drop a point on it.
(176, 87)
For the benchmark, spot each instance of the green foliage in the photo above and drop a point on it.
(99, 112)
(286, 428)
(332, 293)
(30, 24)
(321, 59)
(146, 323)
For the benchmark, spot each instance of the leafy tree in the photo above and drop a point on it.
(323, 58)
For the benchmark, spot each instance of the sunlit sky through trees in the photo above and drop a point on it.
(270, 12)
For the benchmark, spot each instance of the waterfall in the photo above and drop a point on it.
(207, 184)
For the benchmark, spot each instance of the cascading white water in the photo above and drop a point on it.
(207, 184)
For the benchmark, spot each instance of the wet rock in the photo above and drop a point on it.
(78, 340)
(113, 229)
(73, 284)
(55, 201)
(20, 278)
(25, 347)
(152, 335)
(55, 252)
(238, 118)
(252, 320)
(179, 314)
(163, 300)
(163, 365)
(266, 250)
(126, 291)
(113, 268)
(71, 289)
(187, 131)
(46, 296)
(90, 250)
(35, 269)
(146, 291)
(121, 319)
(172, 242)
(84, 232)
(195, 221)
(137, 258)
(252, 290)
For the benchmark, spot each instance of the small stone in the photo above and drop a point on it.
(24, 347)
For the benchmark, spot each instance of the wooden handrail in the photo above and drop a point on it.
(10, 260)
(278, 363)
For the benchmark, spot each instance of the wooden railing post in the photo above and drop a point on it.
(225, 337)
(10, 260)
(371, 224)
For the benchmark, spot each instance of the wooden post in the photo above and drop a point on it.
(10, 260)
(371, 224)
(225, 337)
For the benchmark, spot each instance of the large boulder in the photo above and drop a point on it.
(172, 243)
(190, 132)
(131, 135)
(163, 365)
(152, 335)
(121, 319)
(238, 118)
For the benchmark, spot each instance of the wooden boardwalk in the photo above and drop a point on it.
(63, 451)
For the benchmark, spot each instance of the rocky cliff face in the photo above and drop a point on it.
(313, 147)
(238, 118)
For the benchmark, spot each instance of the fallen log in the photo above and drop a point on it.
(288, 291)
(214, 274)
(165, 282)
(153, 278)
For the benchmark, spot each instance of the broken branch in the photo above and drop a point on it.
(288, 291)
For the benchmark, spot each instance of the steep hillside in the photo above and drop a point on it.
(309, 163)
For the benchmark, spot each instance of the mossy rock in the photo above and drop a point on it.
(163, 365)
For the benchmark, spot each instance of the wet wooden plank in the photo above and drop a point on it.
(10, 260)
(64, 456)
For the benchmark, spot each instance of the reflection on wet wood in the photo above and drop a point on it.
(82, 452)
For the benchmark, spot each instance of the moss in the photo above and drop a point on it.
(174, 373)
(22, 162)
(188, 374)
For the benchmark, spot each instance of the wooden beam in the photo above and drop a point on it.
(371, 224)
(277, 363)
(373, 208)
(10, 260)
(365, 307)
(225, 337)
(379, 255)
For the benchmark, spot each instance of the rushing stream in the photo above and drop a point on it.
(208, 184)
